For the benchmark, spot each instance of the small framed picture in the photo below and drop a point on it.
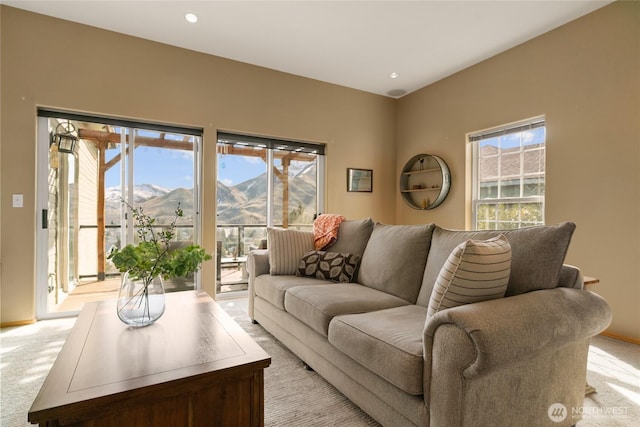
(360, 180)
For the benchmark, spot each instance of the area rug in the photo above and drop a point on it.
(293, 395)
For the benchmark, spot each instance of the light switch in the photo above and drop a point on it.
(17, 200)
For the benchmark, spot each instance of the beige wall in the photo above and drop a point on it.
(53, 63)
(585, 78)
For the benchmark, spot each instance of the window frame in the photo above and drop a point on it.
(271, 145)
(474, 139)
(43, 185)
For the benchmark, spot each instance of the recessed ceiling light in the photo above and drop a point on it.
(191, 17)
(394, 75)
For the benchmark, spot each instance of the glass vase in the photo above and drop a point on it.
(140, 304)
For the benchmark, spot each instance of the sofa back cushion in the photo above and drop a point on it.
(394, 259)
(353, 236)
(537, 255)
(286, 249)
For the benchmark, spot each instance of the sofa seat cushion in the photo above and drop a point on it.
(273, 288)
(315, 306)
(387, 342)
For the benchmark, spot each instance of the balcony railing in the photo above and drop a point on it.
(239, 239)
(235, 243)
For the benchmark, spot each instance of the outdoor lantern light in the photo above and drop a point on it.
(65, 138)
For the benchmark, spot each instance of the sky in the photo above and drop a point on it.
(233, 169)
(174, 169)
(512, 140)
(160, 166)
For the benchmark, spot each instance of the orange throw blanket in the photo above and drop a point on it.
(325, 230)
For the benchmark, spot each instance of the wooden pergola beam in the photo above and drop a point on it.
(102, 169)
(114, 138)
(252, 152)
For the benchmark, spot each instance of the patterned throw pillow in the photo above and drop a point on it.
(332, 266)
(475, 271)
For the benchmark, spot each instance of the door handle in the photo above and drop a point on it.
(45, 218)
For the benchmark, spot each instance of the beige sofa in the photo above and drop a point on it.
(405, 360)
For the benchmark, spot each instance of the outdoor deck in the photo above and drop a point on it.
(93, 290)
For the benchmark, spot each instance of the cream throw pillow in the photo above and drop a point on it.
(286, 249)
(475, 271)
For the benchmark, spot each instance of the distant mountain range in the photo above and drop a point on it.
(244, 203)
(157, 202)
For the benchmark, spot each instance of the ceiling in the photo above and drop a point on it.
(356, 43)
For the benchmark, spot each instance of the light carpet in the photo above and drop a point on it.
(295, 396)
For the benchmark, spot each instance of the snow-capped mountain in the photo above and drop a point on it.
(140, 193)
(244, 203)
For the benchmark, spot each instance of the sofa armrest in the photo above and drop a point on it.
(509, 329)
(571, 277)
(257, 264)
(535, 342)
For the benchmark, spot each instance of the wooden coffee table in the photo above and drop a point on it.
(194, 367)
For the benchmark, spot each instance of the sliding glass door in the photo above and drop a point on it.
(83, 194)
(262, 182)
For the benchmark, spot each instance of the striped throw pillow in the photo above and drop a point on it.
(286, 249)
(475, 271)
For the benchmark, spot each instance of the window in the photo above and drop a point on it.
(262, 182)
(509, 176)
